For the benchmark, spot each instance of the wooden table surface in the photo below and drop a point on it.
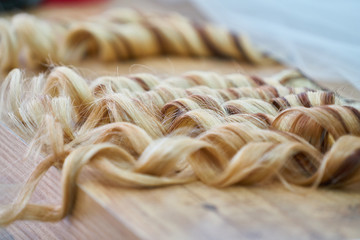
(194, 211)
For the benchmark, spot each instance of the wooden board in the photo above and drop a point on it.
(193, 211)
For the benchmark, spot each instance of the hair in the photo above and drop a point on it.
(117, 35)
(145, 131)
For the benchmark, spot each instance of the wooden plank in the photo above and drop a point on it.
(196, 211)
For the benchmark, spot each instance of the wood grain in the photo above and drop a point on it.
(194, 211)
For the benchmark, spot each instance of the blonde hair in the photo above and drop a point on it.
(117, 35)
(144, 131)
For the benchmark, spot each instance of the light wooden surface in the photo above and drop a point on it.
(193, 211)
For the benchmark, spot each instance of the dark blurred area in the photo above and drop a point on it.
(9, 5)
(6, 5)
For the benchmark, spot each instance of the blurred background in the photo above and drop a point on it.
(321, 38)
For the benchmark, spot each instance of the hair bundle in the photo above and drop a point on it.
(144, 130)
(117, 35)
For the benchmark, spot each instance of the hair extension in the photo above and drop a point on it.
(142, 130)
(257, 160)
(118, 34)
(94, 104)
(154, 36)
